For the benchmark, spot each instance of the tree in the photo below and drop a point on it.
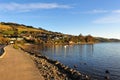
(89, 38)
(81, 38)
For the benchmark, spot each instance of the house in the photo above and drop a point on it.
(12, 42)
(71, 42)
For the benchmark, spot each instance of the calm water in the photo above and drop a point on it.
(90, 59)
(1, 50)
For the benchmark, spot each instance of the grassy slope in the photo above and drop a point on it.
(5, 27)
(8, 29)
(20, 28)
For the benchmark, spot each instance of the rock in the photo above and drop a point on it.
(87, 78)
(79, 74)
(107, 78)
(75, 66)
(57, 62)
(66, 78)
(69, 79)
(75, 75)
(66, 68)
(52, 78)
(107, 72)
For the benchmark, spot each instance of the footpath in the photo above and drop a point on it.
(16, 65)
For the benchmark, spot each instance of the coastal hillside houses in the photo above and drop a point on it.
(71, 42)
(19, 32)
(49, 38)
(12, 40)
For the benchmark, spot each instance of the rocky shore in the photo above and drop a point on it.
(54, 70)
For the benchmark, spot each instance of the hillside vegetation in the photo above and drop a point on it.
(20, 27)
(29, 34)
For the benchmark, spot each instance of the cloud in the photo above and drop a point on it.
(103, 11)
(116, 11)
(94, 11)
(31, 6)
(110, 19)
(97, 11)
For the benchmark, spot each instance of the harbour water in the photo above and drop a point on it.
(92, 60)
(1, 49)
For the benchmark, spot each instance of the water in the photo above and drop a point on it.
(93, 60)
(1, 49)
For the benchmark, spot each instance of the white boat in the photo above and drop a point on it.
(65, 46)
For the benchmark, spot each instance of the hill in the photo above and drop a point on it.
(11, 26)
(22, 33)
(100, 39)
(29, 33)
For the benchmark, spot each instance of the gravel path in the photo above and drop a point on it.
(16, 65)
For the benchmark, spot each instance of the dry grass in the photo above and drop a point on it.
(5, 27)
(20, 28)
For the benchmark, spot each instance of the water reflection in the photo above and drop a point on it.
(86, 50)
(69, 50)
(71, 55)
(81, 49)
(89, 50)
(91, 59)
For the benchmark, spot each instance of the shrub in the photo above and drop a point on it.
(15, 46)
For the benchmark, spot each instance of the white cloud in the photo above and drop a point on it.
(98, 11)
(94, 11)
(103, 11)
(116, 11)
(30, 6)
(112, 18)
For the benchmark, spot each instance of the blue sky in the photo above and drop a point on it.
(96, 17)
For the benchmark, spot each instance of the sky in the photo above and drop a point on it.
(100, 18)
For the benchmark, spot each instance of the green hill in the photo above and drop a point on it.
(30, 34)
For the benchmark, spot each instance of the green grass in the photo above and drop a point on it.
(8, 32)
(15, 46)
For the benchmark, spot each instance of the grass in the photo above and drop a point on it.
(8, 32)
(15, 46)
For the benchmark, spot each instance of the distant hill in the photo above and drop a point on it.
(115, 40)
(100, 39)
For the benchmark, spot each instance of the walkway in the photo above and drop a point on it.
(16, 65)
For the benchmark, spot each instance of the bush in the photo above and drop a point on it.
(15, 46)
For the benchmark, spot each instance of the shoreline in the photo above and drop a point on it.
(90, 43)
(2, 54)
(54, 69)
